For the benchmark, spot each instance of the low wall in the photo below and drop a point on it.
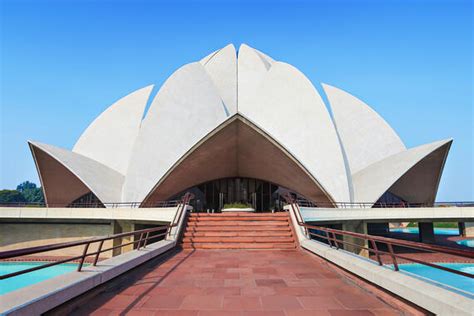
(424, 214)
(162, 214)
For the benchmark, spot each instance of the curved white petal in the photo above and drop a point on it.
(413, 174)
(365, 136)
(288, 107)
(110, 137)
(66, 175)
(266, 59)
(222, 67)
(251, 68)
(186, 108)
(208, 57)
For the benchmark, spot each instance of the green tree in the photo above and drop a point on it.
(11, 196)
(31, 192)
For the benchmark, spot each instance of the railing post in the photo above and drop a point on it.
(140, 241)
(335, 240)
(146, 239)
(394, 259)
(328, 238)
(98, 253)
(83, 258)
(374, 245)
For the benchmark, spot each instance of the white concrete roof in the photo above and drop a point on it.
(103, 181)
(354, 156)
(187, 107)
(222, 67)
(110, 137)
(371, 182)
(365, 135)
(251, 71)
(287, 106)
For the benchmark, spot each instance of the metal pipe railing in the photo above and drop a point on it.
(145, 235)
(331, 236)
(158, 204)
(301, 202)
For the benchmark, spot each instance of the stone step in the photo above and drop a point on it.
(238, 218)
(238, 246)
(265, 239)
(238, 223)
(278, 233)
(252, 228)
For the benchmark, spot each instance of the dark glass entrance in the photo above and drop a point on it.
(218, 194)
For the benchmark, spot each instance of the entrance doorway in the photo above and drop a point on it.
(213, 196)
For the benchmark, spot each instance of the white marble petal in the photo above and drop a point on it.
(187, 107)
(222, 67)
(103, 181)
(365, 135)
(373, 181)
(251, 69)
(110, 137)
(287, 106)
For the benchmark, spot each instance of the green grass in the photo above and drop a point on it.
(446, 225)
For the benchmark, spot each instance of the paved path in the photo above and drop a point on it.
(236, 282)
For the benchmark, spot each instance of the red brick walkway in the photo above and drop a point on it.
(237, 282)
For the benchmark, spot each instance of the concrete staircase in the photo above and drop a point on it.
(238, 230)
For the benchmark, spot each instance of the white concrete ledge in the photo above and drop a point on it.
(44, 296)
(388, 214)
(432, 297)
(161, 214)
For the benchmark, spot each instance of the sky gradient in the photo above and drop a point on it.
(64, 62)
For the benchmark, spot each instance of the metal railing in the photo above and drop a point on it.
(301, 202)
(313, 204)
(335, 239)
(145, 235)
(170, 203)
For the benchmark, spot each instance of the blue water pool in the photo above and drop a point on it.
(466, 242)
(458, 281)
(437, 231)
(23, 280)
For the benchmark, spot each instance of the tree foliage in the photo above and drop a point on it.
(11, 196)
(31, 192)
(25, 192)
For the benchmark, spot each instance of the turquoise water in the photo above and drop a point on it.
(437, 231)
(23, 280)
(466, 242)
(458, 281)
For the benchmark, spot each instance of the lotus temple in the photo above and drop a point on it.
(240, 128)
(238, 187)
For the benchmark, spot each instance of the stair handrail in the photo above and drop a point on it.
(296, 212)
(187, 197)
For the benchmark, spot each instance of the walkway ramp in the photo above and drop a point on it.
(238, 230)
(236, 282)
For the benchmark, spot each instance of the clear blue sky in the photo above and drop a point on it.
(63, 62)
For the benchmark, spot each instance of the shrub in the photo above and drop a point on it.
(237, 205)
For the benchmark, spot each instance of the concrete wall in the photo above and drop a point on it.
(468, 229)
(29, 227)
(16, 235)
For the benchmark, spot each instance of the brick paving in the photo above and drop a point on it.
(238, 282)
